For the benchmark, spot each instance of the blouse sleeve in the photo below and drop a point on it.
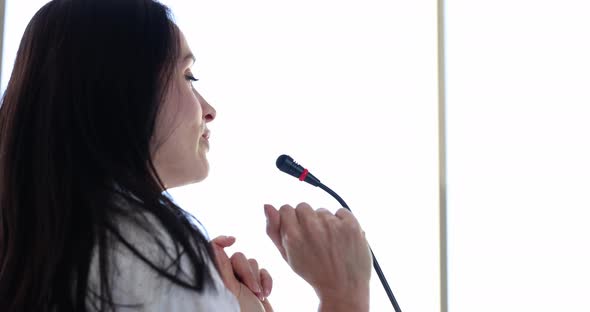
(137, 287)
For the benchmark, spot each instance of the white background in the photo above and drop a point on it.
(518, 155)
(346, 88)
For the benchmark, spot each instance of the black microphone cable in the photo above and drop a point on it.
(286, 164)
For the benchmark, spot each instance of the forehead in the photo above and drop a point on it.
(184, 48)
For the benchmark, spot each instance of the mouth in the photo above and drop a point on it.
(206, 135)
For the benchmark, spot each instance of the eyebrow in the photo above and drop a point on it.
(189, 56)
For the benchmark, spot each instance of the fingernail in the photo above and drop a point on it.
(261, 298)
(267, 293)
(259, 294)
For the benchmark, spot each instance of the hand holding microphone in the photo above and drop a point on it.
(329, 251)
(286, 164)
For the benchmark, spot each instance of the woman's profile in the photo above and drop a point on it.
(99, 119)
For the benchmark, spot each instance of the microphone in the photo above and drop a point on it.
(286, 164)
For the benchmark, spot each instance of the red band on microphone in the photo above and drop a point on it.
(303, 175)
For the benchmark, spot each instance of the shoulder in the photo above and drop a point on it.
(135, 283)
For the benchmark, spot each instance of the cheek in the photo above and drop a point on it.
(191, 107)
(186, 104)
(186, 109)
(180, 110)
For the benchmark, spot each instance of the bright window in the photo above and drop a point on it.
(518, 155)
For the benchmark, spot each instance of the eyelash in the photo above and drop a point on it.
(191, 78)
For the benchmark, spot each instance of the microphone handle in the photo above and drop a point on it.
(375, 262)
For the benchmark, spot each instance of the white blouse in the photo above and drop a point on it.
(134, 282)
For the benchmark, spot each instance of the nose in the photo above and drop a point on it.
(209, 112)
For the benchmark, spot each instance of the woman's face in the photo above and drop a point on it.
(181, 140)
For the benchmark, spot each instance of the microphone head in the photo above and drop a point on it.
(286, 164)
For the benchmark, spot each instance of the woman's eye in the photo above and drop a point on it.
(191, 77)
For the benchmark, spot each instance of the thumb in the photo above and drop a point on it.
(223, 241)
(226, 271)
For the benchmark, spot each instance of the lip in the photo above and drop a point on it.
(206, 134)
(205, 138)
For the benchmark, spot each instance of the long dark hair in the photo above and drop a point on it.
(76, 122)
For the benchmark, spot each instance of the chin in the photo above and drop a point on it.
(190, 175)
(200, 178)
(201, 172)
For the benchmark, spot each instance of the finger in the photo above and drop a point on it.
(343, 213)
(223, 262)
(254, 268)
(223, 241)
(305, 214)
(266, 281)
(289, 222)
(225, 267)
(346, 215)
(220, 256)
(244, 272)
(267, 306)
(327, 217)
(256, 271)
(324, 213)
(273, 227)
(348, 218)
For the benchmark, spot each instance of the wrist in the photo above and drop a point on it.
(345, 301)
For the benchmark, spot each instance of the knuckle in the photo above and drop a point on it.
(323, 211)
(351, 222)
(285, 208)
(343, 211)
(303, 205)
(238, 256)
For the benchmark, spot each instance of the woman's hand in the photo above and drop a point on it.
(327, 250)
(242, 277)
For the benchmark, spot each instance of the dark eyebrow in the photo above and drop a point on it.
(189, 56)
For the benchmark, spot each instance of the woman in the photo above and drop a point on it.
(99, 118)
